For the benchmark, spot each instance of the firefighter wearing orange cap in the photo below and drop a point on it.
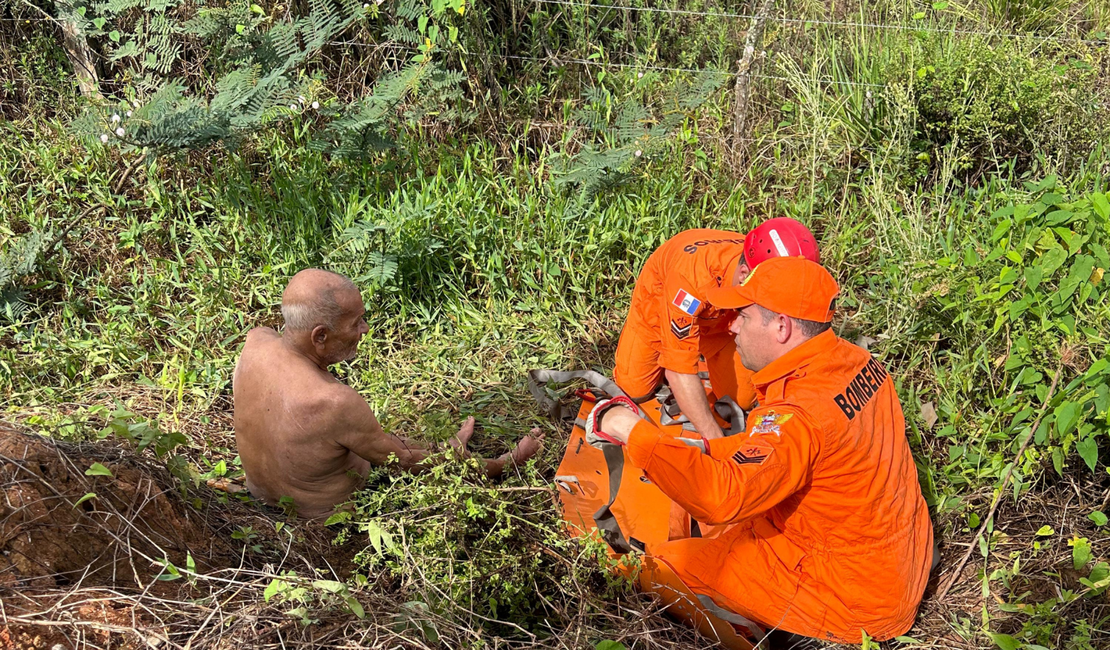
(670, 324)
(832, 537)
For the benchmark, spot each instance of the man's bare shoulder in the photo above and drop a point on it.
(345, 401)
(262, 334)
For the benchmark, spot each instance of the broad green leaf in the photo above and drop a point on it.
(1045, 531)
(379, 538)
(338, 518)
(1098, 517)
(1053, 259)
(1005, 641)
(272, 589)
(1067, 414)
(190, 565)
(1088, 451)
(1000, 230)
(1101, 205)
(1080, 552)
(355, 607)
(92, 495)
(609, 645)
(1033, 275)
(96, 469)
(330, 585)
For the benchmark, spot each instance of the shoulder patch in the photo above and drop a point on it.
(680, 327)
(752, 454)
(686, 301)
(771, 422)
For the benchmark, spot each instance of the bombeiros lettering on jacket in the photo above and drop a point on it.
(861, 389)
(693, 248)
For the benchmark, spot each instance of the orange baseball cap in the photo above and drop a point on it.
(793, 286)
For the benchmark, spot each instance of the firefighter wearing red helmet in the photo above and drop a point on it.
(670, 325)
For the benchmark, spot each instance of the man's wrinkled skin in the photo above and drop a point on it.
(302, 433)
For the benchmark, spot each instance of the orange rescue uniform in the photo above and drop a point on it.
(832, 535)
(670, 324)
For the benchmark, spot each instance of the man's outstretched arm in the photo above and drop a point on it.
(359, 430)
(364, 436)
(740, 476)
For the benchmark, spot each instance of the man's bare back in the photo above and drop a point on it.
(285, 428)
(301, 432)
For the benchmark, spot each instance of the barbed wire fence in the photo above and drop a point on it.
(747, 68)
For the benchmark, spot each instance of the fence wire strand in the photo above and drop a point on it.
(808, 21)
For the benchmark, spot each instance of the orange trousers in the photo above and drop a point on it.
(639, 374)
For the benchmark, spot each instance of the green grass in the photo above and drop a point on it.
(476, 267)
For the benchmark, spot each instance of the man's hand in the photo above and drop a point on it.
(690, 395)
(611, 422)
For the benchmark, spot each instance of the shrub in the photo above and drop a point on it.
(991, 101)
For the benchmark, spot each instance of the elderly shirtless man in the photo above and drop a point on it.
(301, 432)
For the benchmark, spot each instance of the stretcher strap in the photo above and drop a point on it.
(729, 410)
(729, 616)
(539, 378)
(606, 522)
(726, 407)
(614, 455)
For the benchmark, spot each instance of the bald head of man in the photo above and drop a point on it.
(324, 316)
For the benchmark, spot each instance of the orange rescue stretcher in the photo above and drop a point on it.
(600, 492)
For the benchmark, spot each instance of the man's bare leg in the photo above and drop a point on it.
(528, 446)
(459, 442)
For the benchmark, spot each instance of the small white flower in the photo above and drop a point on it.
(104, 138)
(639, 153)
(115, 118)
(379, 1)
(869, 94)
(763, 53)
(292, 107)
(300, 98)
(639, 75)
(128, 113)
(315, 105)
(120, 131)
(366, 5)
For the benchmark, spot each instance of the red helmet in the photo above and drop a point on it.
(779, 237)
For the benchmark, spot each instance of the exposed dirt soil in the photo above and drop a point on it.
(50, 537)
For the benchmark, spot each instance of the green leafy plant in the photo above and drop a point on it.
(18, 260)
(626, 133)
(311, 596)
(142, 434)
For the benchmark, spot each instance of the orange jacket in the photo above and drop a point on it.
(824, 482)
(668, 303)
